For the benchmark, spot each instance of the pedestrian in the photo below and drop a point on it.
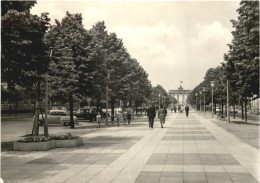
(129, 113)
(161, 115)
(187, 110)
(98, 119)
(151, 113)
(124, 116)
(118, 112)
(10, 111)
(175, 108)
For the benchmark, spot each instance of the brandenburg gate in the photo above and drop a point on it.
(180, 95)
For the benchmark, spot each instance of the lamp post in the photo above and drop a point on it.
(200, 101)
(212, 86)
(204, 90)
(163, 101)
(228, 116)
(159, 99)
(196, 94)
(108, 74)
(46, 132)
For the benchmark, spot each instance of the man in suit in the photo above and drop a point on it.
(151, 113)
(187, 110)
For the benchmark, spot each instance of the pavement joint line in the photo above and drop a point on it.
(116, 179)
(135, 154)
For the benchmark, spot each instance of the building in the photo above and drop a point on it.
(180, 95)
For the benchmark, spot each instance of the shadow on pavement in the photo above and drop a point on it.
(244, 123)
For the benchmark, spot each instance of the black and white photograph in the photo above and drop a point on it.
(130, 91)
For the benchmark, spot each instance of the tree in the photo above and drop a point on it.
(164, 96)
(69, 71)
(24, 54)
(243, 57)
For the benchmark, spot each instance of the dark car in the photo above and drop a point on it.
(88, 114)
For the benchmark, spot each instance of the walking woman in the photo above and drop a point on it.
(162, 115)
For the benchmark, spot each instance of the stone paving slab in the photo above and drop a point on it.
(186, 150)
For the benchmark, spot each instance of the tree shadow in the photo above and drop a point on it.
(244, 123)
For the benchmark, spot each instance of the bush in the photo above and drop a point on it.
(30, 138)
(35, 139)
(64, 137)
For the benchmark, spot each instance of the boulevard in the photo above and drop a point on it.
(188, 149)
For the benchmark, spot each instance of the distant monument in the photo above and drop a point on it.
(180, 95)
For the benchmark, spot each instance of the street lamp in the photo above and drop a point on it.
(228, 115)
(212, 86)
(163, 101)
(204, 90)
(196, 101)
(200, 101)
(46, 131)
(159, 99)
(108, 75)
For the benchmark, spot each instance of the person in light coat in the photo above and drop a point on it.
(161, 115)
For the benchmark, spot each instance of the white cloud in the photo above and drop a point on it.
(213, 31)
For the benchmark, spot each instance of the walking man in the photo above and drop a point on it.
(161, 115)
(187, 110)
(129, 112)
(174, 108)
(118, 112)
(151, 113)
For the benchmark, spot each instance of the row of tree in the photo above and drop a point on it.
(240, 68)
(160, 95)
(75, 63)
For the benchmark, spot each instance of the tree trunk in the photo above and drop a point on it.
(242, 111)
(234, 114)
(226, 110)
(222, 108)
(245, 110)
(98, 104)
(112, 109)
(71, 110)
(133, 113)
(35, 130)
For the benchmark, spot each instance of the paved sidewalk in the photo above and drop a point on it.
(186, 150)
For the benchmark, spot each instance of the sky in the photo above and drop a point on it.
(172, 40)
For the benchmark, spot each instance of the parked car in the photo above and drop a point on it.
(88, 114)
(58, 117)
(231, 110)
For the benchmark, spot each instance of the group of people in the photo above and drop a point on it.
(151, 113)
(119, 113)
(187, 109)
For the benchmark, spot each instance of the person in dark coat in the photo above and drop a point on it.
(187, 110)
(10, 111)
(175, 108)
(151, 113)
